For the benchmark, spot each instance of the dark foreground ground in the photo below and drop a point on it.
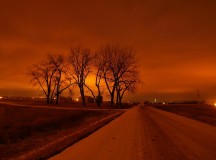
(24, 128)
(201, 112)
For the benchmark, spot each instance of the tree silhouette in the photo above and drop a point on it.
(127, 83)
(42, 75)
(80, 61)
(98, 64)
(119, 68)
(114, 67)
(61, 77)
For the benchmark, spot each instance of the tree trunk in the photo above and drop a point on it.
(47, 99)
(48, 96)
(112, 96)
(57, 98)
(98, 102)
(120, 101)
(82, 95)
(98, 99)
(57, 94)
(117, 99)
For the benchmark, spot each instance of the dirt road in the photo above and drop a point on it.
(146, 134)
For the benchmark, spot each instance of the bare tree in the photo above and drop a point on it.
(42, 75)
(107, 56)
(61, 77)
(128, 75)
(80, 60)
(98, 64)
(115, 65)
(127, 83)
(119, 62)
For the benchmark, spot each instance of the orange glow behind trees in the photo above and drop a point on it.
(174, 41)
(113, 69)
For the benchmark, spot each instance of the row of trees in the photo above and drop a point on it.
(113, 67)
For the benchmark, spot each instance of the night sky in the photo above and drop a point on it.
(175, 41)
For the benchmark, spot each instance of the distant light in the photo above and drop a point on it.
(77, 99)
(215, 104)
(1, 97)
(164, 102)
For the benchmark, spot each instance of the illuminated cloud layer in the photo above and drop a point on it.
(174, 40)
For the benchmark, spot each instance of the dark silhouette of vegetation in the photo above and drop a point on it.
(42, 75)
(80, 61)
(113, 67)
(61, 78)
(98, 64)
(51, 76)
(119, 71)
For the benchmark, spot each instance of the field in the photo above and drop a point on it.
(24, 128)
(201, 112)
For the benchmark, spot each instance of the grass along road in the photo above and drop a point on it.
(24, 128)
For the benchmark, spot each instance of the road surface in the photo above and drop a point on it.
(146, 134)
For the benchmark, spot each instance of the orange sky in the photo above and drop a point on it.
(174, 39)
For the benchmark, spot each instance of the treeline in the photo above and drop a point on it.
(113, 67)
